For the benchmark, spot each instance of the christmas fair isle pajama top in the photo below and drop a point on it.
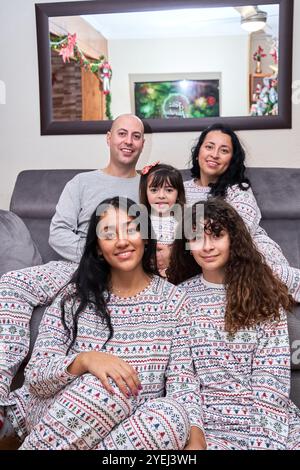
(244, 378)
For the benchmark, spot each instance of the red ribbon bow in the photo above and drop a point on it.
(147, 168)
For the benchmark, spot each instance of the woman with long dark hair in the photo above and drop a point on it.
(239, 334)
(218, 169)
(111, 368)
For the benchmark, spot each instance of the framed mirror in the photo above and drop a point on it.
(180, 65)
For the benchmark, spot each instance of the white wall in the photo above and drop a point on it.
(22, 147)
(179, 55)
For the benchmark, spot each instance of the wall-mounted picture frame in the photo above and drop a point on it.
(168, 96)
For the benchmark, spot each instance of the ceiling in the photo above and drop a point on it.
(192, 22)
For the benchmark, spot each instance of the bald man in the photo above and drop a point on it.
(85, 191)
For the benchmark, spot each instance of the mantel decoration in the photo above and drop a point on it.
(266, 98)
(257, 56)
(266, 94)
(68, 48)
(274, 55)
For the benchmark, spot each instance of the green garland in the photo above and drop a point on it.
(58, 43)
(108, 107)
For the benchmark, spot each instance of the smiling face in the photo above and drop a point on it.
(161, 198)
(119, 242)
(211, 253)
(126, 141)
(214, 157)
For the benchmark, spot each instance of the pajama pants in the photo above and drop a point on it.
(84, 416)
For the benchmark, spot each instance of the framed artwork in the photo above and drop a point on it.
(162, 96)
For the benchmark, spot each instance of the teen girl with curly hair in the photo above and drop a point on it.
(239, 334)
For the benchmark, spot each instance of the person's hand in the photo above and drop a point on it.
(196, 441)
(163, 254)
(104, 366)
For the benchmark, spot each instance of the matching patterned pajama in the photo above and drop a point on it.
(57, 410)
(244, 378)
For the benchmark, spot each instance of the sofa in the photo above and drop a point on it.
(36, 193)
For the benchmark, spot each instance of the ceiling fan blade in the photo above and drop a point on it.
(246, 11)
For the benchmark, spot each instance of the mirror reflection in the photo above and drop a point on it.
(199, 62)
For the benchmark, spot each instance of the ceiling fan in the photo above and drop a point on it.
(252, 18)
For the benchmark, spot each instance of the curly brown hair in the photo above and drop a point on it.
(254, 293)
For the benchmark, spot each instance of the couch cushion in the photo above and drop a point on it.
(17, 250)
(295, 388)
(34, 199)
(285, 232)
(39, 229)
(36, 192)
(276, 191)
(294, 335)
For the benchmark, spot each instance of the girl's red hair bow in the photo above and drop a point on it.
(147, 168)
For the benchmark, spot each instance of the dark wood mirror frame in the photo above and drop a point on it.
(50, 127)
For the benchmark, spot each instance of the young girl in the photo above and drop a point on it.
(162, 192)
(111, 368)
(218, 169)
(239, 335)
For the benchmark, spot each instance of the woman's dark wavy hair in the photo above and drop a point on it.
(89, 285)
(235, 173)
(254, 294)
(162, 173)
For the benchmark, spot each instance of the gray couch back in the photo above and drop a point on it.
(277, 192)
